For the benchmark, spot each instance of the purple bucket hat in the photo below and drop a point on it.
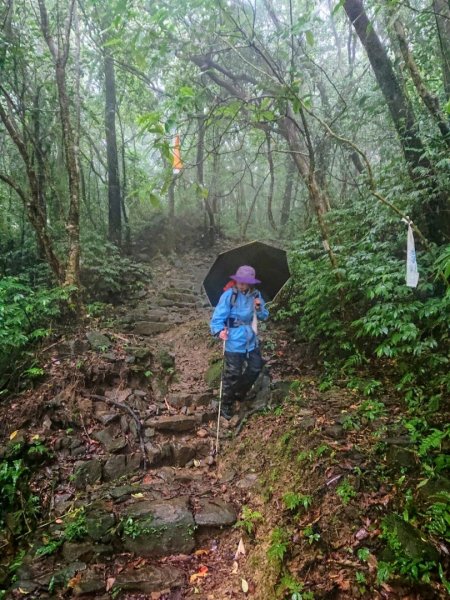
(245, 274)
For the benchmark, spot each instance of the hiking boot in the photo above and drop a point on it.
(226, 411)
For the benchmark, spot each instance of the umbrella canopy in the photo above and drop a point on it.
(270, 264)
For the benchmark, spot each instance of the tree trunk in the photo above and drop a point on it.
(60, 55)
(442, 12)
(211, 227)
(123, 193)
(114, 195)
(428, 98)
(271, 185)
(420, 169)
(287, 196)
(399, 105)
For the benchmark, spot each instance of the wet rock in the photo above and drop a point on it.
(434, 490)
(213, 374)
(61, 577)
(180, 400)
(120, 465)
(178, 297)
(166, 359)
(139, 352)
(176, 423)
(307, 424)
(335, 431)
(151, 327)
(99, 525)
(111, 443)
(124, 424)
(157, 315)
(149, 579)
(98, 340)
(121, 492)
(248, 481)
(183, 453)
(106, 418)
(160, 528)
(410, 540)
(87, 473)
(279, 392)
(153, 454)
(398, 457)
(203, 399)
(90, 584)
(215, 513)
(73, 551)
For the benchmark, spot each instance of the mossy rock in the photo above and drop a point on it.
(406, 540)
(213, 374)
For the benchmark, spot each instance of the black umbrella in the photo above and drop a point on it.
(270, 264)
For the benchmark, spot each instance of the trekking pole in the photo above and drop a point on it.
(220, 399)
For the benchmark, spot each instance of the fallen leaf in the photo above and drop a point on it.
(197, 463)
(74, 581)
(13, 434)
(235, 568)
(240, 550)
(109, 583)
(202, 572)
(59, 521)
(137, 495)
(35, 437)
(201, 552)
(244, 586)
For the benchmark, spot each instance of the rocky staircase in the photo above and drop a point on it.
(134, 441)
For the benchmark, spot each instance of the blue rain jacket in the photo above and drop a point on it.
(241, 338)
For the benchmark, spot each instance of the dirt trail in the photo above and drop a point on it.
(130, 420)
(134, 503)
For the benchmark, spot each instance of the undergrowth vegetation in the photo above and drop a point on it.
(380, 339)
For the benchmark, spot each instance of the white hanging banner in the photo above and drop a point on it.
(412, 273)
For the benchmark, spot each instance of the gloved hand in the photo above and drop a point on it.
(223, 335)
(257, 303)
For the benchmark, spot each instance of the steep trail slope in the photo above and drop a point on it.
(134, 504)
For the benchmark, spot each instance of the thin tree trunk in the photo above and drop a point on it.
(399, 105)
(124, 190)
(442, 11)
(60, 55)
(287, 196)
(428, 98)
(436, 207)
(271, 184)
(211, 228)
(114, 196)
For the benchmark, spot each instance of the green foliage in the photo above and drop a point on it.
(278, 545)
(249, 519)
(74, 530)
(345, 491)
(108, 275)
(19, 507)
(293, 500)
(27, 313)
(311, 535)
(364, 309)
(437, 516)
(292, 589)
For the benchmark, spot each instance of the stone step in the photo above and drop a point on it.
(173, 423)
(179, 296)
(151, 327)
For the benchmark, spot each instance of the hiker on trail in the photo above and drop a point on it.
(234, 321)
